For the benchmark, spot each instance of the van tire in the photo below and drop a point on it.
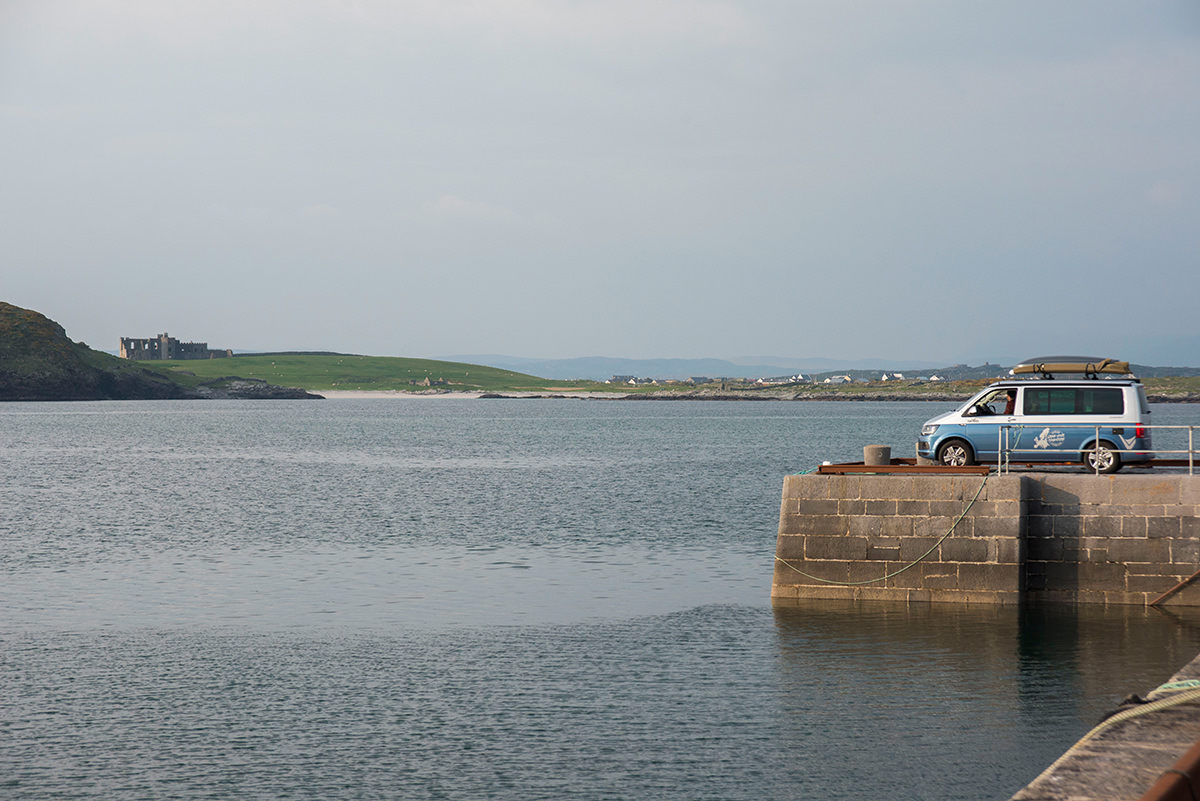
(1102, 458)
(955, 453)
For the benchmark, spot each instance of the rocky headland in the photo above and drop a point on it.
(39, 362)
(249, 389)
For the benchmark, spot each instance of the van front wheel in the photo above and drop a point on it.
(955, 453)
(1102, 457)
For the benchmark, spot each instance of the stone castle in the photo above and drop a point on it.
(168, 347)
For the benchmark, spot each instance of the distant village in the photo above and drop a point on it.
(858, 377)
(957, 372)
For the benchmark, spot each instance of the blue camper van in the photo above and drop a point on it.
(1043, 416)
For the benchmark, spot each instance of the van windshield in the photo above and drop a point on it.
(998, 401)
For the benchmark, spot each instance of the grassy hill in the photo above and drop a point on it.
(335, 371)
(38, 362)
(318, 372)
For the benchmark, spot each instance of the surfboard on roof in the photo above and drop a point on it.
(1080, 365)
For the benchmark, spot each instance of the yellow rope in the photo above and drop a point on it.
(1128, 714)
(919, 559)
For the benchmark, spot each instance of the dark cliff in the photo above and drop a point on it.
(38, 362)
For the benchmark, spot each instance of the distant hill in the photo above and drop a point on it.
(819, 364)
(38, 362)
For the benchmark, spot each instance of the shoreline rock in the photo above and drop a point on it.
(234, 388)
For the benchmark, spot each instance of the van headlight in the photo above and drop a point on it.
(927, 429)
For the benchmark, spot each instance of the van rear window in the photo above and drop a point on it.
(1101, 400)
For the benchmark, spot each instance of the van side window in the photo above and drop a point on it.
(1102, 400)
(1049, 401)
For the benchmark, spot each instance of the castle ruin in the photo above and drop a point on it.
(168, 347)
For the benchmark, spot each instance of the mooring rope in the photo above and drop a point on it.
(915, 562)
(1185, 697)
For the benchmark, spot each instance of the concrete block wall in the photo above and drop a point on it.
(1123, 539)
(848, 532)
(1075, 537)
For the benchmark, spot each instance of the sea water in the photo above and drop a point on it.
(514, 599)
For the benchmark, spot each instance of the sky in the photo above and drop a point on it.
(934, 180)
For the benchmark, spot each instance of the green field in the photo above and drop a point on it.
(317, 372)
(1173, 384)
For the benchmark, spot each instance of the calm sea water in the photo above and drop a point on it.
(513, 599)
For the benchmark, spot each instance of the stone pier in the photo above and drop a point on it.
(1119, 539)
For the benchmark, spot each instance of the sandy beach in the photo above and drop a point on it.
(348, 394)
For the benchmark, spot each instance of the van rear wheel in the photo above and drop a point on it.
(1102, 457)
(955, 453)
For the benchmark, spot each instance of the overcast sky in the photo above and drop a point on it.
(934, 180)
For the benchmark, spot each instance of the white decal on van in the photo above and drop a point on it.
(1049, 439)
(1128, 442)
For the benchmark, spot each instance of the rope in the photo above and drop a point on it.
(1185, 697)
(895, 573)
